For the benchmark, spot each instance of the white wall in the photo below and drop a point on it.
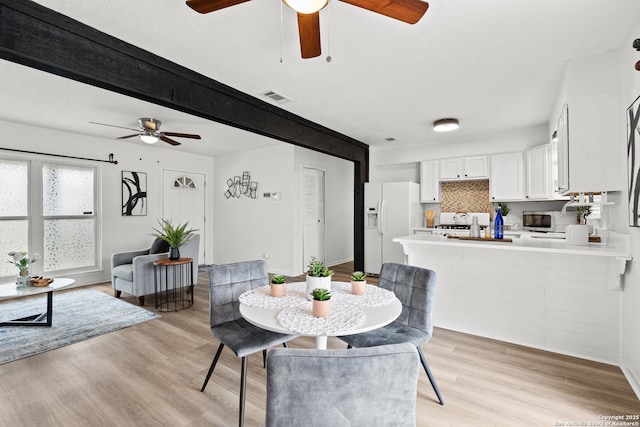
(630, 79)
(118, 233)
(263, 228)
(246, 229)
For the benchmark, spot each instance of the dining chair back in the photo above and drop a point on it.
(307, 387)
(415, 288)
(226, 283)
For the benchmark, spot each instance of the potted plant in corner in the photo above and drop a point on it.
(321, 302)
(277, 285)
(174, 236)
(358, 283)
(318, 276)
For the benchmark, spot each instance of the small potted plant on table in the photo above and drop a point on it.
(174, 236)
(321, 302)
(318, 276)
(358, 283)
(277, 285)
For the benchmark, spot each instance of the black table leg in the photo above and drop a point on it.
(43, 319)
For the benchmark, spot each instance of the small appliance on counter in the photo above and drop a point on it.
(548, 222)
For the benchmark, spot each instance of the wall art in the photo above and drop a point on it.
(241, 186)
(134, 193)
(633, 160)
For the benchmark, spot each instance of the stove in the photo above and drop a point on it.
(459, 224)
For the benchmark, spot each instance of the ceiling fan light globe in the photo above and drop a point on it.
(306, 6)
(446, 125)
(149, 139)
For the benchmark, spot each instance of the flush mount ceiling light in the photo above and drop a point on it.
(306, 6)
(446, 125)
(148, 137)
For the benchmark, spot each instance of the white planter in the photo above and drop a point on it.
(317, 282)
(577, 234)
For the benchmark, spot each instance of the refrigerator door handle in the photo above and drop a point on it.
(381, 217)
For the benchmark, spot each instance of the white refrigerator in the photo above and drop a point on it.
(391, 210)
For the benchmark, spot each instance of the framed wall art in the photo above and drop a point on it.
(633, 161)
(134, 193)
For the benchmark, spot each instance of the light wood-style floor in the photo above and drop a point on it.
(150, 375)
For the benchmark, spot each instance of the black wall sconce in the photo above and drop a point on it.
(636, 46)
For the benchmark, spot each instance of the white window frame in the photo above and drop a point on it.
(36, 218)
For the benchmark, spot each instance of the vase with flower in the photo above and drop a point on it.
(23, 262)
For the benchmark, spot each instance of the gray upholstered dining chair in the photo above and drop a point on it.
(415, 288)
(133, 272)
(375, 386)
(226, 283)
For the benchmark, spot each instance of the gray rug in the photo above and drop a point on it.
(77, 316)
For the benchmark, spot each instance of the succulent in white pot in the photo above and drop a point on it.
(318, 276)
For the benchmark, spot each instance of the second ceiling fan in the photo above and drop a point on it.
(409, 11)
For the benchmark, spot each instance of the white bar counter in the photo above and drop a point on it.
(536, 292)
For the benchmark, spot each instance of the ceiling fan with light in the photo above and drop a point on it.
(149, 132)
(409, 11)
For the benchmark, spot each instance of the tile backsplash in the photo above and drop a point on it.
(465, 196)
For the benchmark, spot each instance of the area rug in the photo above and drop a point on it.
(77, 316)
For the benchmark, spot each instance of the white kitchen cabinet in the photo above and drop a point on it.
(506, 181)
(429, 182)
(560, 156)
(597, 155)
(537, 161)
(464, 168)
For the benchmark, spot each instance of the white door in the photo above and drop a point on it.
(184, 200)
(313, 234)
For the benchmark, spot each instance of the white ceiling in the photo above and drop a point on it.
(494, 64)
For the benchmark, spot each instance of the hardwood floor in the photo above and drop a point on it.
(150, 375)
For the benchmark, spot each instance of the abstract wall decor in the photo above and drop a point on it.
(134, 193)
(633, 160)
(241, 186)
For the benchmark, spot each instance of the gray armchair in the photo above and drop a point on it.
(133, 272)
(374, 386)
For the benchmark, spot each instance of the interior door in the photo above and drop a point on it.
(184, 200)
(314, 225)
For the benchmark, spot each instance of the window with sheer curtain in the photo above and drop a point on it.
(48, 208)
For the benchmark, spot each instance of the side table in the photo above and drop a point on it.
(172, 277)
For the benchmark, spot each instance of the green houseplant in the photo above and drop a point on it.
(504, 208)
(277, 285)
(318, 276)
(175, 236)
(358, 283)
(321, 302)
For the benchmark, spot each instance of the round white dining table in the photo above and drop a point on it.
(264, 311)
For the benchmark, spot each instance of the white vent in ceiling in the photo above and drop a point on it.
(276, 97)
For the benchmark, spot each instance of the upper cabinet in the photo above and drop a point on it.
(465, 168)
(560, 155)
(537, 161)
(429, 182)
(506, 182)
(597, 155)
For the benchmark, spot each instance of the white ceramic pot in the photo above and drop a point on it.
(577, 234)
(317, 282)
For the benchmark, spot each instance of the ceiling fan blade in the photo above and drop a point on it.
(113, 126)
(128, 136)
(206, 6)
(168, 140)
(182, 135)
(409, 11)
(309, 31)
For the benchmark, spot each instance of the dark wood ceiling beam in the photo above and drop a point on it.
(38, 37)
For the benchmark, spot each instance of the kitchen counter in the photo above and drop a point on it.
(538, 292)
(614, 245)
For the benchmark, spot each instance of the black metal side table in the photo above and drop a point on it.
(173, 279)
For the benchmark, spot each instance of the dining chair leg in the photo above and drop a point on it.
(430, 375)
(264, 358)
(213, 365)
(243, 386)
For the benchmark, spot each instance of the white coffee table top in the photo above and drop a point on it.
(369, 312)
(9, 290)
